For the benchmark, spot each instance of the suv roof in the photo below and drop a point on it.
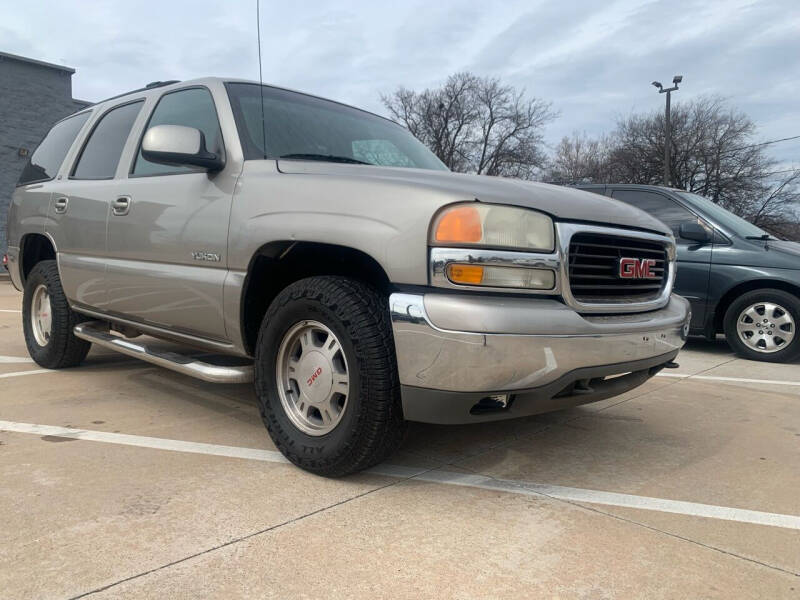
(159, 87)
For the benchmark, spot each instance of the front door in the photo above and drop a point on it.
(168, 231)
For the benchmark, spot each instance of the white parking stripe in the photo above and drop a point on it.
(10, 310)
(144, 442)
(731, 379)
(7, 360)
(435, 476)
(32, 372)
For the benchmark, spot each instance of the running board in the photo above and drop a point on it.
(97, 332)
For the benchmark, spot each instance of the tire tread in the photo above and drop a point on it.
(364, 313)
(64, 349)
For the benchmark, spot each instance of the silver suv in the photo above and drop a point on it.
(358, 281)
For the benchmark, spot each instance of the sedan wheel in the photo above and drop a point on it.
(766, 327)
(762, 325)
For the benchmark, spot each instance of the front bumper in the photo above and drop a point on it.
(454, 350)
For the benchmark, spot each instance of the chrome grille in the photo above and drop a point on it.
(594, 268)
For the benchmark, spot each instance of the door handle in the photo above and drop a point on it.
(60, 205)
(121, 206)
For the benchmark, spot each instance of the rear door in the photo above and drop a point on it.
(81, 201)
(168, 229)
(694, 259)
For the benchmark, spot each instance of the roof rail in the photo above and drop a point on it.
(149, 86)
(156, 84)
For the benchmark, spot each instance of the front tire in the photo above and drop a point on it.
(48, 321)
(326, 376)
(762, 325)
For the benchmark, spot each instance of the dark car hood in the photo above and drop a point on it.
(560, 202)
(789, 248)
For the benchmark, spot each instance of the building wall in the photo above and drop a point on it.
(33, 96)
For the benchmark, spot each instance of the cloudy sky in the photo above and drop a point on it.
(593, 60)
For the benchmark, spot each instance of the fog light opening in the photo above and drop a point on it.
(492, 403)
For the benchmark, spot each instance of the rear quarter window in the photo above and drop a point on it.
(51, 151)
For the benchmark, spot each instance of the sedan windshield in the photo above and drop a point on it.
(722, 217)
(300, 127)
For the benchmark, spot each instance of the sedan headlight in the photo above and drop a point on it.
(494, 226)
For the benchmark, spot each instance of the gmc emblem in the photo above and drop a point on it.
(313, 377)
(637, 268)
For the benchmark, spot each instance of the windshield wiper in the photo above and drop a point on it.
(326, 157)
(764, 238)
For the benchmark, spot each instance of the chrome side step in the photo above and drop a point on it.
(97, 332)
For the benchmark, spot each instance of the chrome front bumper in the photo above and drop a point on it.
(461, 348)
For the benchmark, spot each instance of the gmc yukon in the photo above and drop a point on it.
(337, 262)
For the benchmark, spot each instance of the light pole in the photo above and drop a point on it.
(667, 142)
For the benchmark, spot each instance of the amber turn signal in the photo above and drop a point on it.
(465, 274)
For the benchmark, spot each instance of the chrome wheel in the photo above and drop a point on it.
(312, 377)
(41, 315)
(766, 327)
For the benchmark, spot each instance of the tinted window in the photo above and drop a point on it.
(190, 108)
(661, 207)
(45, 161)
(303, 127)
(102, 151)
(723, 217)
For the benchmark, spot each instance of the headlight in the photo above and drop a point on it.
(493, 225)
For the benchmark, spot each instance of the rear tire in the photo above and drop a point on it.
(762, 325)
(48, 321)
(320, 333)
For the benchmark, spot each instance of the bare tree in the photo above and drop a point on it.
(579, 158)
(476, 124)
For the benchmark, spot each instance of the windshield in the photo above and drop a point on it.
(723, 217)
(307, 128)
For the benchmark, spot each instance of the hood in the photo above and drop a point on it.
(781, 254)
(789, 248)
(562, 203)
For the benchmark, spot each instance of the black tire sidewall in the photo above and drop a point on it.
(63, 348)
(331, 448)
(785, 299)
(47, 355)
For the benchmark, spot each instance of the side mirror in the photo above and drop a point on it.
(692, 230)
(179, 145)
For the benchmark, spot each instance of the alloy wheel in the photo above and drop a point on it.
(312, 377)
(41, 315)
(766, 327)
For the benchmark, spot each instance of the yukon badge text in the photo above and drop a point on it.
(207, 256)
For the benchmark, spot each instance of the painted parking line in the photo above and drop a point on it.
(729, 379)
(9, 310)
(10, 360)
(526, 488)
(22, 373)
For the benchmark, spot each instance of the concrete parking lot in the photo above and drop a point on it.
(120, 479)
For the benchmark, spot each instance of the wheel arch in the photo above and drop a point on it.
(34, 248)
(277, 264)
(748, 286)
